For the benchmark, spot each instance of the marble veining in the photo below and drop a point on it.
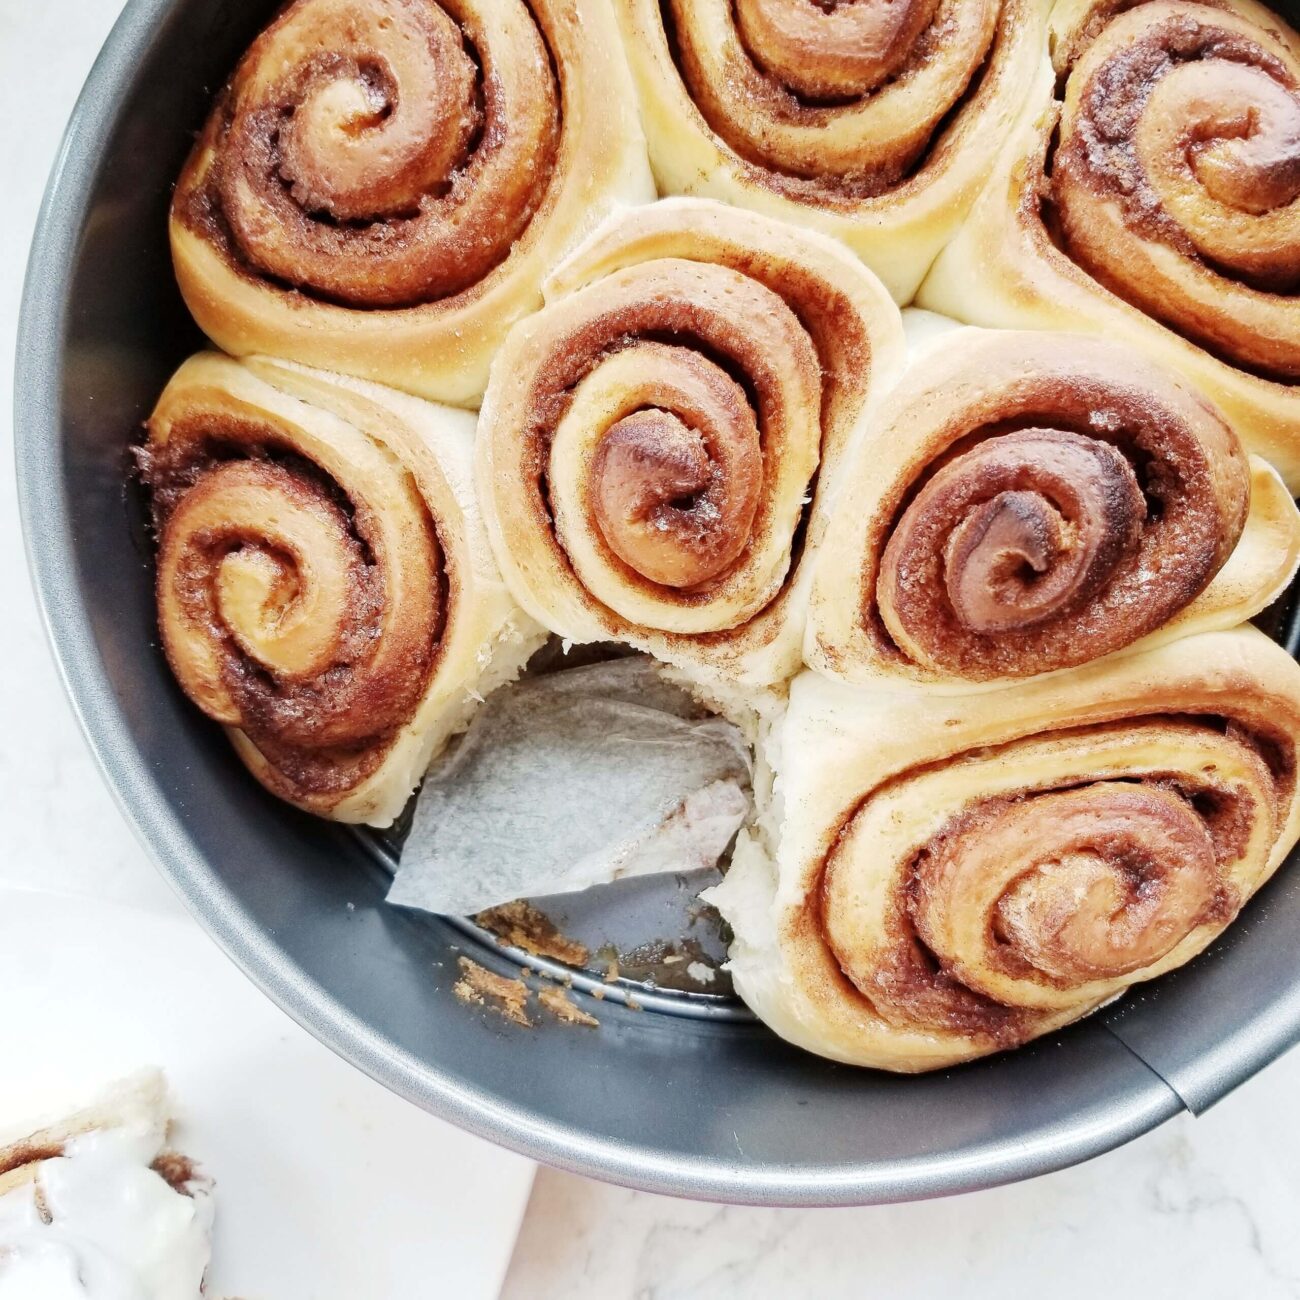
(1200, 1208)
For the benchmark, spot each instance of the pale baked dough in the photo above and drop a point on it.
(866, 779)
(969, 388)
(383, 452)
(632, 323)
(895, 225)
(439, 348)
(1005, 268)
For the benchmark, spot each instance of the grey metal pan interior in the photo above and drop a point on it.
(705, 1105)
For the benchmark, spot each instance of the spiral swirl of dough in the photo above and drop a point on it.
(874, 121)
(1029, 502)
(850, 95)
(383, 184)
(324, 588)
(963, 874)
(297, 597)
(1055, 896)
(1177, 177)
(650, 441)
(1153, 197)
(356, 162)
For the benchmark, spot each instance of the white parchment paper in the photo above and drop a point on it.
(572, 779)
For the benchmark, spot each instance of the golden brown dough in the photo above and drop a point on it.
(1155, 200)
(876, 122)
(651, 442)
(1027, 502)
(384, 183)
(325, 587)
(936, 879)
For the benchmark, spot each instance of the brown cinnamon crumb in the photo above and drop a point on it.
(482, 987)
(521, 925)
(598, 993)
(611, 971)
(175, 1170)
(557, 1002)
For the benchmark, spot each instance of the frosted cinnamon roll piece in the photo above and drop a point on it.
(1154, 198)
(652, 443)
(1028, 502)
(326, 590)
(97, 1205)
(875, 122)
(382, 185)
(937, 879)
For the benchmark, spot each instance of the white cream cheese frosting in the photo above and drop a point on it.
(98, 1222)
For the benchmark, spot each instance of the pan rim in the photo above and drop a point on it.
(46, 521)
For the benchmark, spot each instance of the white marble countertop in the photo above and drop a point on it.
(1200, 1208)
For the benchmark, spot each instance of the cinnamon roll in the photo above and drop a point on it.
(382, 185)
(876, 122)
(1155, 198)
(1028, 502)
(651, 443)
(940, 879)
(325, 587)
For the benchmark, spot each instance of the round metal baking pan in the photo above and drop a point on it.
(705, 1103)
